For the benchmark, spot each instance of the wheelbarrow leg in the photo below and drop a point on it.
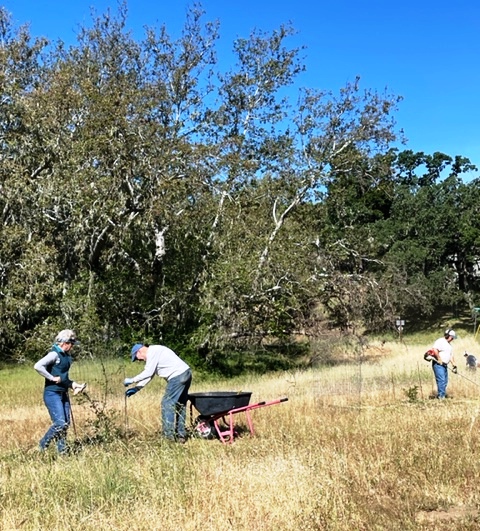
(225, 435)
(249, 422)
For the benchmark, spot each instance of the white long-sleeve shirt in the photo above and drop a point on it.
(163, 362)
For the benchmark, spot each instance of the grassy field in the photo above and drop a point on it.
(358, 446)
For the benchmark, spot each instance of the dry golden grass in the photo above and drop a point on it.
(358, 446)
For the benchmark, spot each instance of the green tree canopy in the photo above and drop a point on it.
(148, 194)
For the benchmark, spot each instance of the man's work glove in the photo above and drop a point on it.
(78, 387)
(127, 382)
(132, 391)
(454, 369)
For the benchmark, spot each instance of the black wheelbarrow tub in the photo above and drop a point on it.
(218, 401)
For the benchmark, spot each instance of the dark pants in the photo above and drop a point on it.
(174, 405)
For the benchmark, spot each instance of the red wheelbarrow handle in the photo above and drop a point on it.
(261, 404)
(265, 403)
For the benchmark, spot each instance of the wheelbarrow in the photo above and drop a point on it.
(217, 411)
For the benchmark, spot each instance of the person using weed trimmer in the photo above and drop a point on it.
(441, 354)
(54, 368)
(165, 363)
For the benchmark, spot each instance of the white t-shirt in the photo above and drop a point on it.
(444, 348)
(163, 362)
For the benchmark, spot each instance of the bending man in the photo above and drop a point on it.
(165, 363)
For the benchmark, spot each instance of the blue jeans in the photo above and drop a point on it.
(174, 405)
(58, 405)
(441, 377)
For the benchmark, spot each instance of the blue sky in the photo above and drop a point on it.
(423, 50)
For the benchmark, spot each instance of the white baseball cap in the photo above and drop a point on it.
(66, 336)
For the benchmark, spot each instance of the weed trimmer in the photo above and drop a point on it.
(465, 378)
(430, 357)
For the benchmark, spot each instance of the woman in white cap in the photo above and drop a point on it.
(54, 368)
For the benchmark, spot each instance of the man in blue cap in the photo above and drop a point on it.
(165, 363)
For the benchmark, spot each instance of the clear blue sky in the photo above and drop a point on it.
(426, 51)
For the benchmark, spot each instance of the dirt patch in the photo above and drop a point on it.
(373, 353)
(454, 513)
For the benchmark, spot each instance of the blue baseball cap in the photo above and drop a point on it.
(135, 349)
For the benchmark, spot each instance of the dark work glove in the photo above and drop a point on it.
(132, 391)
(454, 369)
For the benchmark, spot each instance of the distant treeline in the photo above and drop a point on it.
(146, 194)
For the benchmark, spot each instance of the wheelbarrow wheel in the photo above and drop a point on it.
(204, 428)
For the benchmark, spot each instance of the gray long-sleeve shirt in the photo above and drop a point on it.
(55, 364)
(47, 361)
(163, 362)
